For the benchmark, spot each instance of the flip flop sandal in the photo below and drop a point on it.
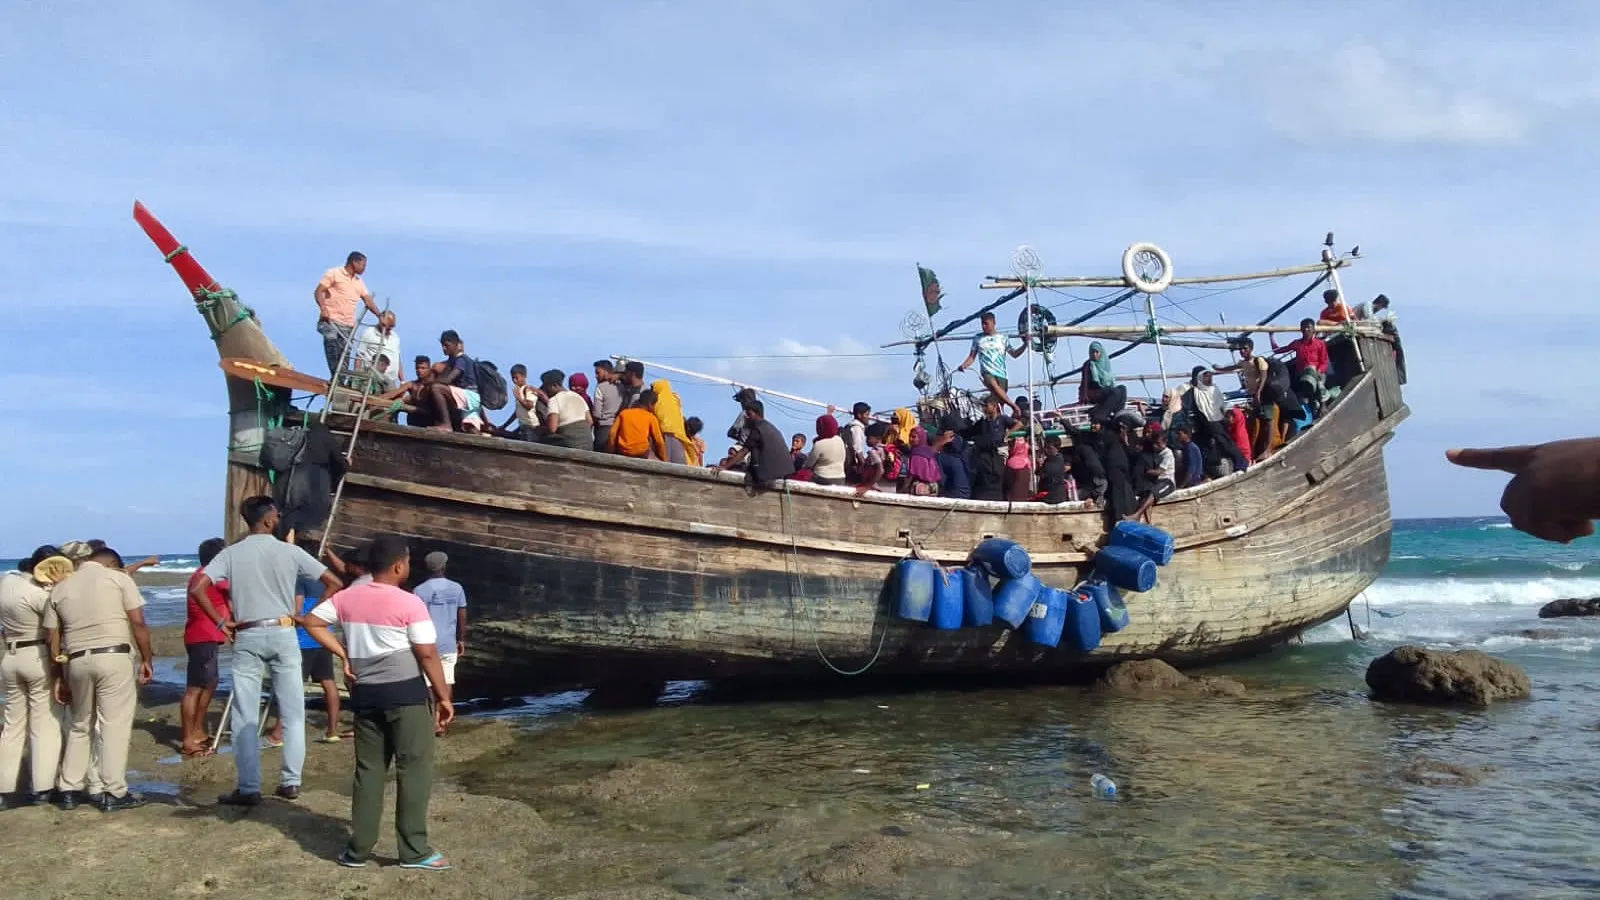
(329, 739)
(434, 863)
(270, 744)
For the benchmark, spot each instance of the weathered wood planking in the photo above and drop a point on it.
(588, 568)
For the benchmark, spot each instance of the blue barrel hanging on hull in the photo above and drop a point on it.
(1047, 617)
(1082, 621)
(1002, 558)
(1113, 614)
(1014, 597)
(1125, 568)
(979, 597)
(949, 600)
(915, 582)
(1147, 539)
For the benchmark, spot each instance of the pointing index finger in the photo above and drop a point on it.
(1506, 459)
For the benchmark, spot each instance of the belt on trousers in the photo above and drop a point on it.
(14, 646)
(281, 621)
(114, 648)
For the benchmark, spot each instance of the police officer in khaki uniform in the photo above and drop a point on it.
(96, 617)
(33, 719)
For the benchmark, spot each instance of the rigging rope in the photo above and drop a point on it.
(208, 302)
(792, 565)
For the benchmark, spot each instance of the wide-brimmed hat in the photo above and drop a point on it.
(43, 551)
(53, 570)
(77, 551)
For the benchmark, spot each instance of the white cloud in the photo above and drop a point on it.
(1362, 93)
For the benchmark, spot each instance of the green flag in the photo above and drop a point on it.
(931, 294)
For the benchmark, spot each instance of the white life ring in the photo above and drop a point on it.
(1136, 264)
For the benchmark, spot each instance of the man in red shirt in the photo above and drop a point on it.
(1310, 364)
(202, 639)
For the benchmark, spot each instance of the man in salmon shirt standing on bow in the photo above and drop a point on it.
(336, 294)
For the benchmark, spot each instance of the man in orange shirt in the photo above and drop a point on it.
(1336, 312)
(337, 294)
(637, 431)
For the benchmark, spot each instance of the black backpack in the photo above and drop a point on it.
(282, 449)
(1278, 386)
(491, 384)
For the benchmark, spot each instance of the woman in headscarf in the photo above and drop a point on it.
(669, 412)
(1118, 459)
(1208, 410)
(923, 471)
(1098, 387)
(579, 384)
(826, 459)
(1019, 472)
(904, 422)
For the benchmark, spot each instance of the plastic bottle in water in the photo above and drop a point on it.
(1103, 787)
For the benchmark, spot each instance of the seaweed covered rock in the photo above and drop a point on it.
(1570, 606)
(1152, 677)
(1469, 677)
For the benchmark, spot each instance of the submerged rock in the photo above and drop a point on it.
(876, 861)
(1570, 606)
(1149, 677)
(1436, 772)
(633, 783)
(1470, 677)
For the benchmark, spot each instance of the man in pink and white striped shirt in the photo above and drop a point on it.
(392, 644)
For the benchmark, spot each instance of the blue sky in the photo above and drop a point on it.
(699, 180)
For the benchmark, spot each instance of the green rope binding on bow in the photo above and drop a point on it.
(209, 302)
(181, 250)
(264, 395)
(1152, 330)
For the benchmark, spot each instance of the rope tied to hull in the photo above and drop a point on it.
(176, 252)
(209, 304)
(793, 571)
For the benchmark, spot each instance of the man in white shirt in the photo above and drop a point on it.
(563, 414)
(377, 340)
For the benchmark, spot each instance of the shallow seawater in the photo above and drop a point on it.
(1305, 787)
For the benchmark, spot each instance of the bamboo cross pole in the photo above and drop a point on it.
(1112, 331)
(994, 282)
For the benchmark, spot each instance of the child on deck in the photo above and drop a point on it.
(1056, 484)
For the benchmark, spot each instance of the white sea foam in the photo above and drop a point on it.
(1478, 591)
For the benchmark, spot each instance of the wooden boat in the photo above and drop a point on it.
(589, 569)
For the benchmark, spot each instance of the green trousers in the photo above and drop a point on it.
(403, 736)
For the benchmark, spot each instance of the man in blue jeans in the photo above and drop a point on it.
(262, 572)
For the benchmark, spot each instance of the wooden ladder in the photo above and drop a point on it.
(349, 372)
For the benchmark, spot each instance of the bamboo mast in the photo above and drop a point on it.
(1026, 263)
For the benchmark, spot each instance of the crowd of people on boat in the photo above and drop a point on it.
(1122, 454)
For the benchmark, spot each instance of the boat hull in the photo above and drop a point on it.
(585, 569)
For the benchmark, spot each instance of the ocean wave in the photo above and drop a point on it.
(180, 568)
(1494, 525)
(1497, 566)
(1478, 591)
